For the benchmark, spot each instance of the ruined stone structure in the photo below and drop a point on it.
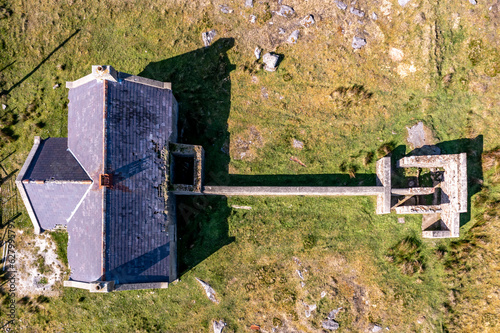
(440, 220)
(112, 183)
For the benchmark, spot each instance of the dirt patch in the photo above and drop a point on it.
(38, 266)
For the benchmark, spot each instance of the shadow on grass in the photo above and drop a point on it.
(18, 83)
(202, 86)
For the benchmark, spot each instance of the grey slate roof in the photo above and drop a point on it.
(118, 124)
(139, 124)
(120, 128)
(86, 142)
(53, 161)
(55, 202)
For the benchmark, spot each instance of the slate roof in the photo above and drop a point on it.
(117, 124)
(120, 127)
(54, 203)
(53, 161)
(139, 124)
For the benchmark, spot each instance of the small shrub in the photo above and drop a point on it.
(407, 255)
(309, 241)
(386, 149)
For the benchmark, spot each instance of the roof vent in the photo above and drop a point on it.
(106, 180)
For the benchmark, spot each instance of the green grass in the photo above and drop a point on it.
(348, 108)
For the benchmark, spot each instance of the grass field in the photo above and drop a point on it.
(348, 108)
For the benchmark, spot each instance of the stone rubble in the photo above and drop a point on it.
(297, 144)
(330, 323)
(285, 11)
(270, 61)
(208, 37)
(341, 5)
(257, 52)
(307, 21)
(225, 9)
(357, 12)
(208, 290)
(358, 42)
(219, 326)
(292, 39)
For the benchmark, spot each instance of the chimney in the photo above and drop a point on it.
(106, 180)
(102, 72)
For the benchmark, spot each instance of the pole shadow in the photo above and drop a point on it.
(18, 83)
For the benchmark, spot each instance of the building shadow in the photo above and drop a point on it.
(202, 86)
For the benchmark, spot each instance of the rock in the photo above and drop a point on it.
(55, 86)
(297, 144)
(420, 139)
(376, 328)
(285, 11)
(309, 309)
(330, 324)
(219, 326)
(225, 9)
(208, 37)
(396, 54)
(253, 18)
(270, 61)
(281, 31)
(374, 16)
(403, 2)
(341, 5)
(401, 220)
(473, 2)
(257, 53)
(249, 3)
(302, 284)
(357, 12)
(358, 42)
(299, 273)
(292, 39)
(333, 313)
(323, 294)
(208, 290)
(4, 106)
(307, 21)
(264, 92)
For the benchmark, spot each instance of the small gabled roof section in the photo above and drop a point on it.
(52, 183)
(54, 162)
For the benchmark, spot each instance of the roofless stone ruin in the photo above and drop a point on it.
(112, 183)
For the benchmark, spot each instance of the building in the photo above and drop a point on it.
(112, 183)
(106, 182)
